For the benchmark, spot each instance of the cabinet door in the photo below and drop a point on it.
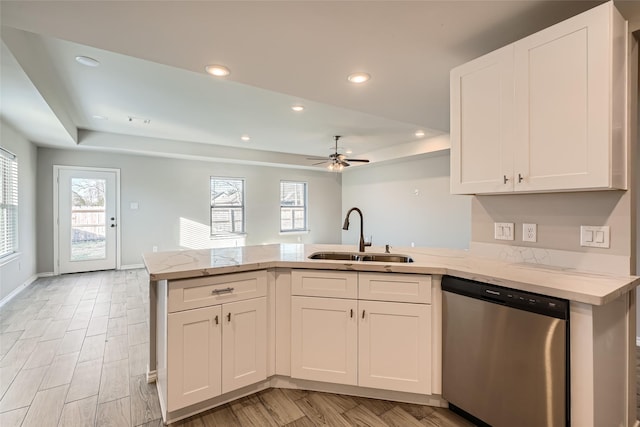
(244, 343)
(482, 124)
(324, 339)
(563, 105)
(395, 346)
(193, 356)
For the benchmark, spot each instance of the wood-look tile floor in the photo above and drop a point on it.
(74, 350)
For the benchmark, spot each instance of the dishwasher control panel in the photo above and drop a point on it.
(536, 303)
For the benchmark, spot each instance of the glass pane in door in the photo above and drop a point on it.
(88, 225)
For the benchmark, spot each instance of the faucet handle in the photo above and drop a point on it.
(368, 243)
(387, 249)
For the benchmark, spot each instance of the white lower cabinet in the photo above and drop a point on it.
(194, 356)
(324, 339)
(244, 343)
(394, 343)
(214, 350)
(377, 344)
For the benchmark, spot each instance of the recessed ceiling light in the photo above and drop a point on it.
(245, 137)
(217, 70)
(297, 107)
(348, 151)
(419, 133)
(87, 61)
(99, 117)
(358, 77)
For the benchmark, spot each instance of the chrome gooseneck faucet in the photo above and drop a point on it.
(345, 226)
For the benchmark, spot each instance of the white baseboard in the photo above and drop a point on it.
(19, 289)
(131, 266)
(47, 274)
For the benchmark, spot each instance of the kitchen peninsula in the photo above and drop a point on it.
(266, 287)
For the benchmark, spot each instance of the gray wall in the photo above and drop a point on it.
(173, 199)
(559, 216)
(23, 268)
(395, 214)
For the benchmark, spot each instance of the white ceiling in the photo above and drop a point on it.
(153, 54)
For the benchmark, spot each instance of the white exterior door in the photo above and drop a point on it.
(244, 343)
(87, 237)
(194, 356)
(395, 346)
(324, 339)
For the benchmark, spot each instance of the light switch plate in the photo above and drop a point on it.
(503, 231)
(594, 236)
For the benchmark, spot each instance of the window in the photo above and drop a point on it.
(227, 206)
(8, 203)
(293, 206)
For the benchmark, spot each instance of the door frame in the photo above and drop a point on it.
(56, 222)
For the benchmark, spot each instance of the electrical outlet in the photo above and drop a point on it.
(503, 231)
(529, 232)
(154, 249)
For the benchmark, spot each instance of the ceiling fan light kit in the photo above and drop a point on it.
(337, 161)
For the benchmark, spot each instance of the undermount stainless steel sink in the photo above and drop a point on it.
(351, 256)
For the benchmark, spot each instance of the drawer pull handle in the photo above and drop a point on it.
(221, 291)
(216, 319)
(520, 178)
(352, 313)
(363, 314)
(228, 317)
(505, 179)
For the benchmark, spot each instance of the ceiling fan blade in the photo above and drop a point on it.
(316, 158)
(319, 163)
(357, 160)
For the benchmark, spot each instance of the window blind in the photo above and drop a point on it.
(8, 203)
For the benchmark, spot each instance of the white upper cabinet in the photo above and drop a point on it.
(547, 113)
(482, 124)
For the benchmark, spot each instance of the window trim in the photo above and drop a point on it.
(12, 190)
(232, 234)
(305, 206)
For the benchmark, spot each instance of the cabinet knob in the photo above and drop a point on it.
(505, 179)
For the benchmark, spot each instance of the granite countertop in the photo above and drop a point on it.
(575, 285)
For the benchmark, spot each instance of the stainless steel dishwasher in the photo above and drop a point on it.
(505, 355)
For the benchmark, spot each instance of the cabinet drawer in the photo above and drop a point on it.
(395, 287)
(205, 291)
(320, 283)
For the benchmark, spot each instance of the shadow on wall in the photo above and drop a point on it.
(194, 235)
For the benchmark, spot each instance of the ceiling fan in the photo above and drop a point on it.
(336, 160)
